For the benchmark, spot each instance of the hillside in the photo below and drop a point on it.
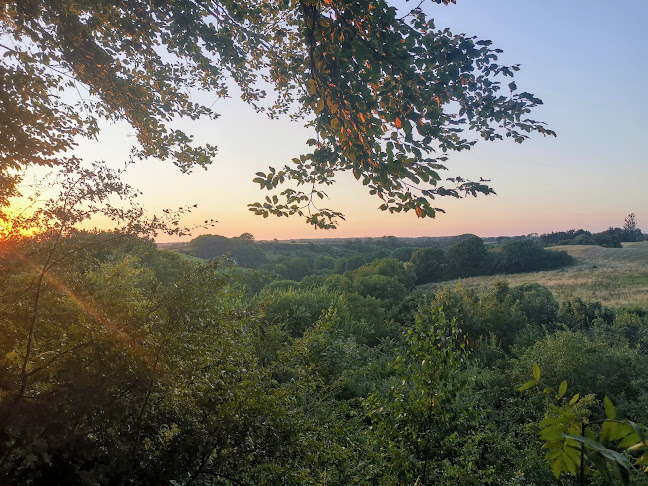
(616, 277)
(631, 253)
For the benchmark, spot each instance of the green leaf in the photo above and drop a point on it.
(536, 372)
(625, 475)
(614, 431)
(609, 454)
(609, 408)
(556, 467)
(553, 433)
(569, 462)
(605, 432)
(574, 399)
(554, 444)
(565, 413)
(574, 456)
(638, 446)
(553, 421)
(562, 389)
(527, 385)
(629, 441)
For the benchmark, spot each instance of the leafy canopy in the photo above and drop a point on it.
(386, 92)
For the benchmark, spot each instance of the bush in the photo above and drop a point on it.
(577, 314)
(403, 254)
(583, 240)
(527, 256)
(592, 366)
(507, 310)
(429, 264)
(294, 309)
(465, 257)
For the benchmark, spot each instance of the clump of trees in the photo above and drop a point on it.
(610, 238)
(470, 257)
(241, 250)
(464, 256)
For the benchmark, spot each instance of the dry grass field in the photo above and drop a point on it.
(616, 277)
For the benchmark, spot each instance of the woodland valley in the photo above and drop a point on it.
(376, 361)
(371, 360)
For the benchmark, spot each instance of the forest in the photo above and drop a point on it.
(231, 361)
(464, 256)
(318, 363)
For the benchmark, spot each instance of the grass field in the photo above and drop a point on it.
(616, 277)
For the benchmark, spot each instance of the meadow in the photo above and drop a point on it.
(615, 277)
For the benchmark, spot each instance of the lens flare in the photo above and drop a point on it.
(113, 326)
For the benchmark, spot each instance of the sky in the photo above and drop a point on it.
(584, 59)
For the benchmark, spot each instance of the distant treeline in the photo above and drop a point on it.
(610, 238)
(430, 260)
(470, 257)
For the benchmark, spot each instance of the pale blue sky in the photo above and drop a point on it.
(585, 59)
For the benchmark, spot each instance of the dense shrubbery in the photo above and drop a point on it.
(148, 368)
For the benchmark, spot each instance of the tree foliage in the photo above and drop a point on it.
(576, 443)
(428, 264)
(419, 418)
(387, 93)
(631, 232)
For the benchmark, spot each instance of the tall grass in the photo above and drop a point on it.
(616, 277)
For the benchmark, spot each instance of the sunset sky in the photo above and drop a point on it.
(585, 59)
